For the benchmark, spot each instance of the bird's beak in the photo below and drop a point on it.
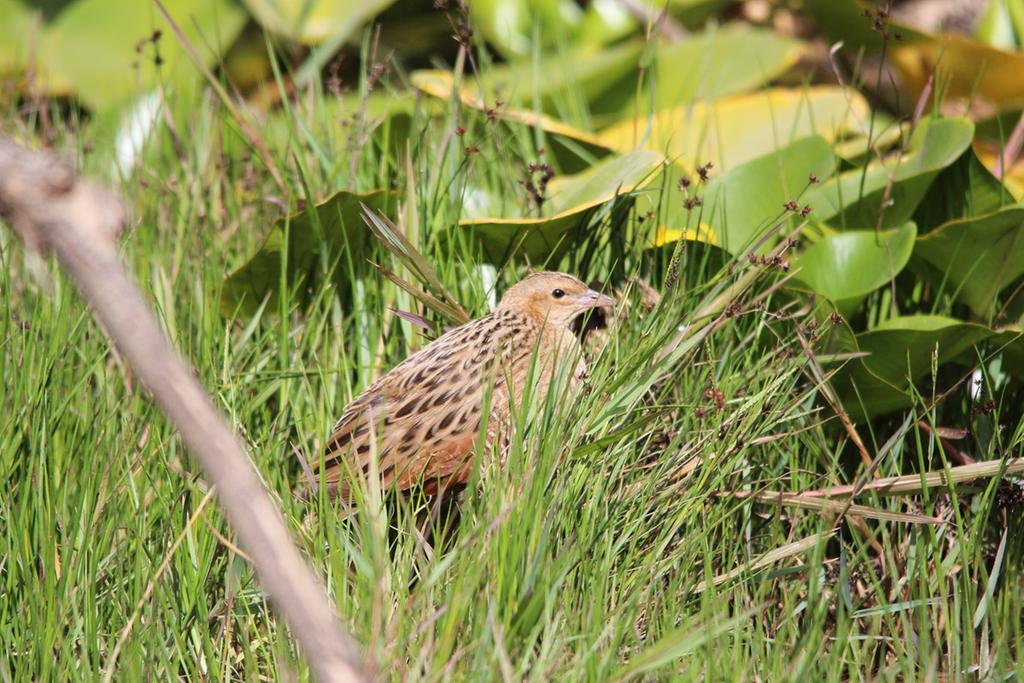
(592, 299)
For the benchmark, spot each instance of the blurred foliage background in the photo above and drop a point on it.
(908, 114)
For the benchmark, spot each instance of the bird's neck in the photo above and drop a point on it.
(527, 319)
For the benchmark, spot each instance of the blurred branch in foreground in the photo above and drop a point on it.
(46, 203)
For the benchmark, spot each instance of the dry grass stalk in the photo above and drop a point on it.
(52, 209)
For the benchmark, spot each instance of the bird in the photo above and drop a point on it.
(421, 420)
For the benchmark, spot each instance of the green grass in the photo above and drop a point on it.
(592, 556)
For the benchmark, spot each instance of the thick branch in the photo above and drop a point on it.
(78, 220)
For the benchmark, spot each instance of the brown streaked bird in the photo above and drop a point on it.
(424, 416)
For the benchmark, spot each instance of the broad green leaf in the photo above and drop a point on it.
(742, 203)
(732, 130)
(514, 27)
(573, 202)
(314, 21)
(900, 352)
(582, 73)
(603, 181)
(903, 346)
(440, 84)
(964, 188)
(859, 148)
(710, 64)
(510, 25)
(847, 266)
(855, 198)
(90, 47)
(606, 20)
(330, 237)
(703, 66)
(17, 23)
(975, 258)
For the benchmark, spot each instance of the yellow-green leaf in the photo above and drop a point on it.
(967, 69)
(740, 204)
(706, 65)
(441, 84)
(89, 49)
(510, 24)
(573, 202)
(314, 21)
(17, 25)
(709, 64)
(854, 198)
(732, 130)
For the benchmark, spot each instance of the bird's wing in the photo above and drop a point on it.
(421, 419)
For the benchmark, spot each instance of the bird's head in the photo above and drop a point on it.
(552, 298)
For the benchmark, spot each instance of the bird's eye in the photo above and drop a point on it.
(558, 294)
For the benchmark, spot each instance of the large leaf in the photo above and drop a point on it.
(964, 188)
(865, 144)
(441, 84)
(855, 198)
(510, 24)
(16, 23)
(742, 203)
(900, 352)
(966, 68)
(564, 76)
(570, 149)
(89, 48)
(328, 238)
(732, 130)
(975, 258)
(573, 203)
(846, 267)
(584, 85)
(515, 27)
(707, 65)
(315, 21)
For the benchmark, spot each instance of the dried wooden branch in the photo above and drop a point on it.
(53, 209)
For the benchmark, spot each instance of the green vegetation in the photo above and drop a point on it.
(820, 286)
